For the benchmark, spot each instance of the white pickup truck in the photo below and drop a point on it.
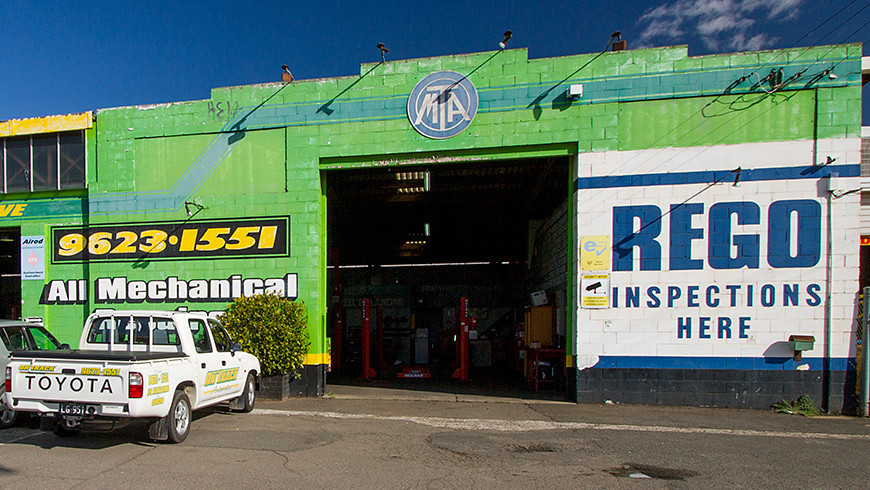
(153, 365)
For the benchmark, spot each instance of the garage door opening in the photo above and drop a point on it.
(10, 273)
(415, 252)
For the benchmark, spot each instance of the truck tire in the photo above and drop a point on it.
(7, 417)
(179, 417)
(249, 394)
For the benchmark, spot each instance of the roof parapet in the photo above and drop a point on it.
(47, 124)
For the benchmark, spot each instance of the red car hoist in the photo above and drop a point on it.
(464, 323)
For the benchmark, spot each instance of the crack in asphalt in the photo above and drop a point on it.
(534, 409)
(87, 482)
(286, 462)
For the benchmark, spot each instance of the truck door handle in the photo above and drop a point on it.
(202, 365)
(223, 363)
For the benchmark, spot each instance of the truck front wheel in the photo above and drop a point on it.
(179, 417)
(248, 395)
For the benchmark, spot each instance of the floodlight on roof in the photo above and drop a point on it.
(384, 51)
(286, 76)
(507, 36)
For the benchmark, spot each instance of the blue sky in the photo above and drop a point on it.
(62, 57)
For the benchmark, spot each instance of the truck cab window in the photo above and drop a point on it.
(100, 331)
(222, 340)
(140, 327)
(164, 332)
(122, 330)
(201, 340)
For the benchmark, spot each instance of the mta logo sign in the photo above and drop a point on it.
(442, 105)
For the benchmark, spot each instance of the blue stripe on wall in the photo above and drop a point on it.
(740, 363)
(710, 176)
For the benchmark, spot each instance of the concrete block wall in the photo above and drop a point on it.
(548, 270)
(865, 152)
(685, 312)
(259, 150)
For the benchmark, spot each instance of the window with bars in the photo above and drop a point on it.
(43, 162)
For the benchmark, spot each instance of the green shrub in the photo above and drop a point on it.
(272, 328)
(802, 406)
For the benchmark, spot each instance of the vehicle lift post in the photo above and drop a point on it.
(464, 324)
(367, 371)
(380, 326)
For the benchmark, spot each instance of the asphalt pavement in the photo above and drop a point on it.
(393, 402)
(381, 437)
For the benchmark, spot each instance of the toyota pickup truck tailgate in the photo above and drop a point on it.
(66, 381)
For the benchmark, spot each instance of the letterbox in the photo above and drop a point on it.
(801, 343)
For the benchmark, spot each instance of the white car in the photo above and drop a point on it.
(18, 335)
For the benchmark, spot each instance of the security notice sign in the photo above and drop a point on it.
(595, 290)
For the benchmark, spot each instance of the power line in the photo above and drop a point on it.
(762, 96)
(767, 94)
(770, 62)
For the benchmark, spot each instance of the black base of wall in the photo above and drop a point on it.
(571, 385)
(311, 382)
(715, 388)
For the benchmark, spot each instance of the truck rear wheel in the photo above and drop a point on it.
(179, 417)
(7, 417)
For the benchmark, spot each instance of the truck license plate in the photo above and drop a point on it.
(74, 409)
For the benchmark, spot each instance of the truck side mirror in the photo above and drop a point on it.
(235, 347)
(64, 347)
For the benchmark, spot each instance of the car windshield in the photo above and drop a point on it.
(27, 337)
(42, 339)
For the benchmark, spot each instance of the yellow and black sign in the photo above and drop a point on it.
(34, 368)
(222, 376)
(95, 371)
(230, 238)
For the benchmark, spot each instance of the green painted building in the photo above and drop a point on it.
(673, 219)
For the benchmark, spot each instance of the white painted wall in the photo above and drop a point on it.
(650, 331)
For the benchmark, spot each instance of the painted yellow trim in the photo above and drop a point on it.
(315, 359)
(48, 124)
(569, 361)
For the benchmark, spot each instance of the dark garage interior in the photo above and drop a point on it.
(418, 243)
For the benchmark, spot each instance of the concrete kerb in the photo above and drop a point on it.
(341, 392)
(478, 412)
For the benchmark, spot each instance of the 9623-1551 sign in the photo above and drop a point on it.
(172, 240)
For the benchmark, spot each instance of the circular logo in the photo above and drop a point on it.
(442, 104)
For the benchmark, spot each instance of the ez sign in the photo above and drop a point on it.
(595, 253)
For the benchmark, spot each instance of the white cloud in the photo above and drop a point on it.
(717, 22)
